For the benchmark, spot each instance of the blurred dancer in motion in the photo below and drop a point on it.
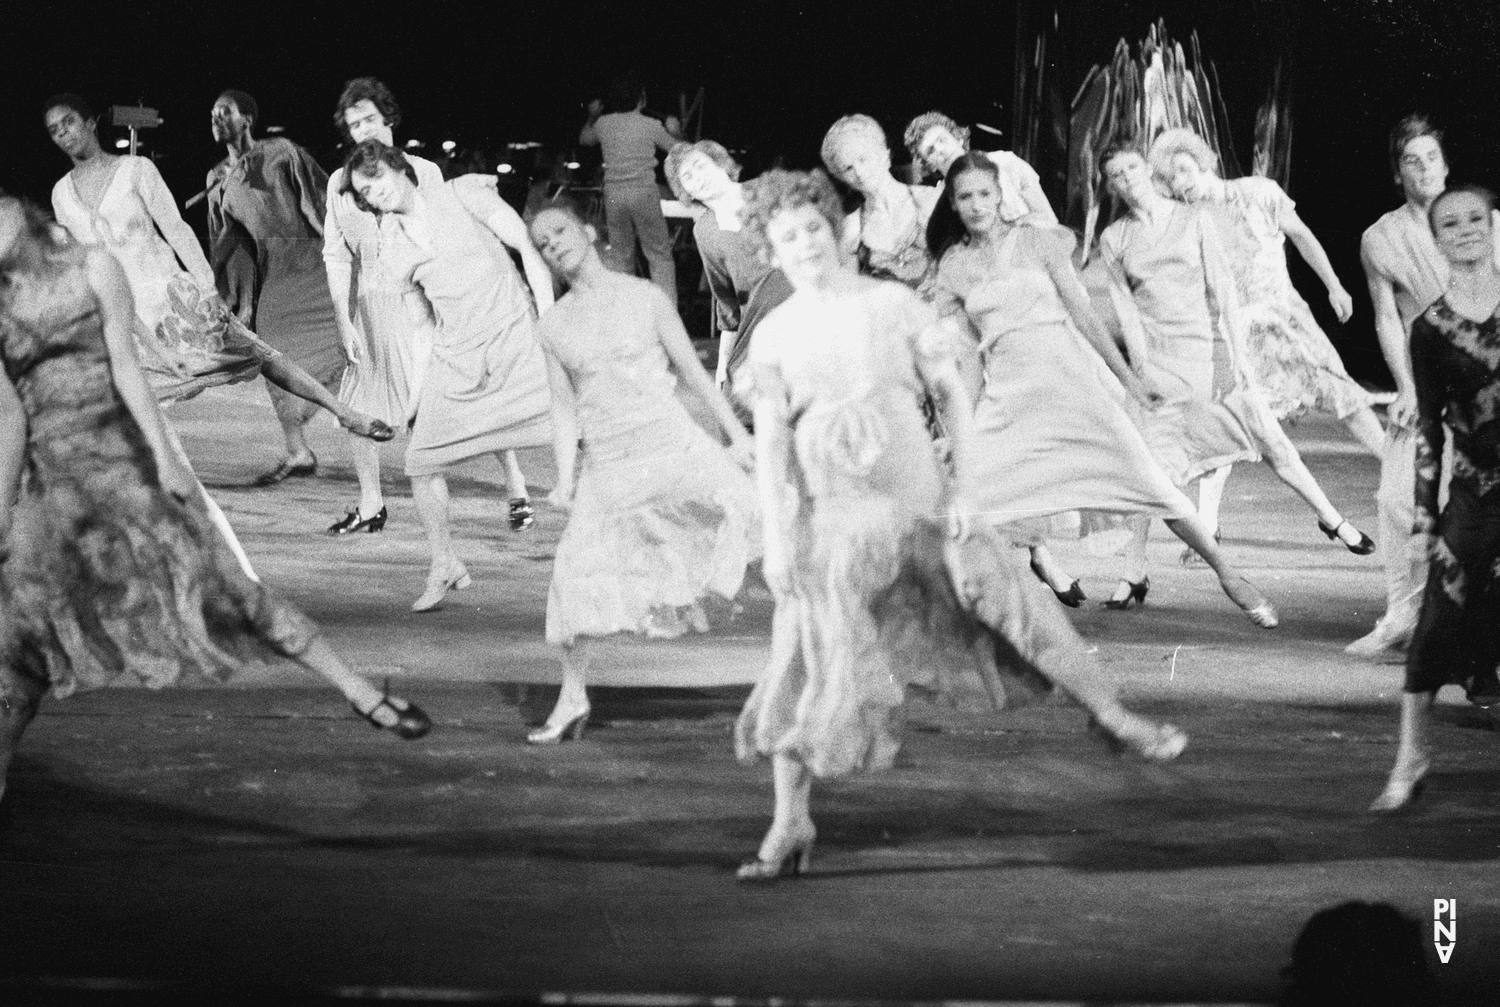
(1405, 273)
(110, 562)
(387, 352)
(485, 390)
(629, 141)
(1289, 357)
(1455, 356)
(745, 287)
(857, 522)
(1051, 434)
(265, 230)
(662, 517)
(1178, 307)
(935, 141)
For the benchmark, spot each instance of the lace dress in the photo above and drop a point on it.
(106, 572)
(663, 520)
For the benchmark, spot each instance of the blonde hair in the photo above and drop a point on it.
(849, 127)
(1181, 141)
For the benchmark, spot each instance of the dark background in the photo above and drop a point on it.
(775, 75)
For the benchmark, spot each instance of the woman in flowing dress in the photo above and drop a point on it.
(485, 389)
(1179, 312)
(857, 517)
(1051, 434)
(662, 518)
(1455, 355)
(110, 561)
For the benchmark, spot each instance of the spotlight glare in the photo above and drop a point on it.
(121, 144)
(504, 169)
(412, 144)
(448, 145)
(572, 166)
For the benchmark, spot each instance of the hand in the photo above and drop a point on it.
(178, 481)
(742, 450)
(561, 496)
(1403, 412)
(1342, 304)
(776, 571)
(350, 339)
(366, 426)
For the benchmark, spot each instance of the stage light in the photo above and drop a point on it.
(121, 144)
(572, 166)
(413, 144)
(275, 129)
(504, 169)
(448, 145)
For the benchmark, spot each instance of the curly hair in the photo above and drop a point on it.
(1412, 127)
(1179, 140)
(710, 149)
(365, 159)
(856, 125)
(779, 190)
(366, 89)
(68, 99)
(922, 124)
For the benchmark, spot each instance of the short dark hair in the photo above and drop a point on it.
(1464, 188)
(623, 94)
(1118, 148)
(67, 99)
(366, 159)
(944, 228)
(247, 105)
(1408, 129)
(366, 89)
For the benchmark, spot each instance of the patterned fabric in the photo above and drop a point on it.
(903, 258)
(663, 520)
(107, 573)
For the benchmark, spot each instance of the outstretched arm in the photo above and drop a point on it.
(1076, 299)
(162, 207)
(1395, 346)
(509, 228)
(565, 432)
(1313, 254)
(1132, 328)
(338, 265)
(674, 339)
(773, 466)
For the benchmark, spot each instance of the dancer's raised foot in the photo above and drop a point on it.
(439, 582)
(1352, 538)
(392, 713)
(782, 852)
(1256, 606)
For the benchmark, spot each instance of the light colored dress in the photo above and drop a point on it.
(1290, 357)
(1052, 434)
(393, 351)
(873, 571)
(485, 389)
(902, 256)
(1213, 414)
(663, 519)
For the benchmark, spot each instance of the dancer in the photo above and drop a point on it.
(1290, 358)
(661, 518)
(110, 564)
(387, 352)
(632, 203)
(265, 230)
(936, 141)
(1405, 273)
(745, 288)
(1050, 436)
(1176, 300)
(485, 390)
(1455, 356)
(185, 338)
(857, 545)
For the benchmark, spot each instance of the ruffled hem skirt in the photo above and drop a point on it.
(1295, 365)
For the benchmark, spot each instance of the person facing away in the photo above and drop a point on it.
(629, 141)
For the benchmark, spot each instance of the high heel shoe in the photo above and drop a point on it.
(555, 734)
(1072, 597)
(352, 523)
(794, 860)
(437, 587)
(410, 722)
(1363, 547)
(1402, 788)
(1259, 609)
(521, 514)
(1138, 592)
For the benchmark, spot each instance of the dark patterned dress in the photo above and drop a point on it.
(1456, 366)
(107, 572)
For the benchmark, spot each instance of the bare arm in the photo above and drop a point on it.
(338, 264)
(12, 450)
(1076, 299)
(1132, 328)
(565, 432)
(674, 339)
(773, 459)
(509, 228)
(1041, 210)
(117, 312)
(163, 210)
(1395, 345)
(1300, 235)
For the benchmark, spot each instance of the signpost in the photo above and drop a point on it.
(134, 117)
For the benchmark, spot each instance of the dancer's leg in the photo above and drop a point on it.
(1283, 458)
(515, 479)
(1198, 538)
(1045, 565)
(293, 413)
(1211, 495)
(1413, 754)
(1405, 564)
(366, 456)
(791, 835)
(431, 495)
(572, 707)
(1135, 562)
(1366, 428)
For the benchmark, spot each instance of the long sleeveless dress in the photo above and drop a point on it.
(485, 389)
(107, 573)
(1052, 434)
(393, 353)
(663, 520)
(884, 600)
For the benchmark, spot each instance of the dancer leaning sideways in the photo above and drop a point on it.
(935, 141)
(875, 594)
(484, 391)
(111, 563)
(1455, 355)
(663, 518)
(1052, 433)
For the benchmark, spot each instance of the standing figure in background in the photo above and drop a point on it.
(1455, 356)
(110, 563)
(935, 141)
(387, 352)
(1289, 357)
(663, 518)
(485, 389)
(265, 230)
(745, 287)
(1405, 273)
(1178, 305)
(632, 202)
